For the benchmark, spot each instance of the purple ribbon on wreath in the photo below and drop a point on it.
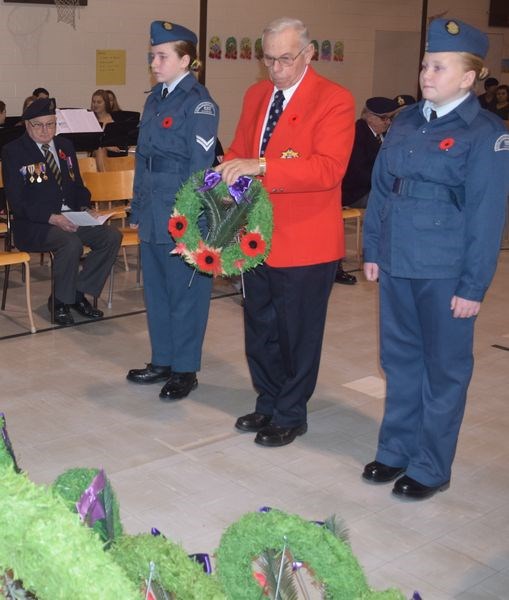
(237, 190)
(89, 506)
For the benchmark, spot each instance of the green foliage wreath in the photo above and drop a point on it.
(327, 557)
(239, 224)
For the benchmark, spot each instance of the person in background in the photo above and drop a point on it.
(488, 99)
(501, 107)
(113, 101)
(374, 121)
(296, 132)
(100, 105)
(432, 233)
(3, 113)
(42, 180)
(178, 134)
(40, 92)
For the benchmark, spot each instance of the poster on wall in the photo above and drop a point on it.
(110, 67)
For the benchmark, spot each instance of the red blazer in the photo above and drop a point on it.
(307, 156)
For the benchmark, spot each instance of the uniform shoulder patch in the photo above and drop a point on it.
(502, 143)
(205, 108)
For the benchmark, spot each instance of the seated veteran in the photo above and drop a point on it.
(374, 121)
(42, 180)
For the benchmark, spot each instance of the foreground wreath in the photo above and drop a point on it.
(238, 219)
(45, 547)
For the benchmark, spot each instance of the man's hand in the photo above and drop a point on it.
(463, 308)
(62, 223)
(371, 271)
(231, 170)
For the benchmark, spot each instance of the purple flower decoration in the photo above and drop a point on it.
(210, 180)
(89, 506)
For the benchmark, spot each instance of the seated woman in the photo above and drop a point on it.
(113, 101)
(102, 108)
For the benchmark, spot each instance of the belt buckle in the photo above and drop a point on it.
(397, 186)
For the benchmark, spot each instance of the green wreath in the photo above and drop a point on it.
(239, 223)
(329, 559)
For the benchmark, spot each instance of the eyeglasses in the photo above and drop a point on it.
(40, 126)
(284, 61)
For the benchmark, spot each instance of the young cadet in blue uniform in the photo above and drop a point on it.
(432, 235)
(177, 137)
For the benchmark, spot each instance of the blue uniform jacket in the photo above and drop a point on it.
(177, 138)
(438, 197)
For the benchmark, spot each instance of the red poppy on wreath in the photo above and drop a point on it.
(177, 226)
(62, 155)
(261, 580)
(252, 244)
(180, 248)
(167, 122)
(208, 259)
(446, 144)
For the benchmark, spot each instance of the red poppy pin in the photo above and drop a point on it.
(62, 155)
(167, 122)
(446, 144)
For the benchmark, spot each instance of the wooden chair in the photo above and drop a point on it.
(119, 163)
(87, 164)
(115, 188)
(357, 214)
(11, 258)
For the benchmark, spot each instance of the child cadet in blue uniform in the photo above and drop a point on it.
(432, 235)
(177, 137)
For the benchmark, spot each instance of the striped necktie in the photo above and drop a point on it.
(51, 162)
(276, 108)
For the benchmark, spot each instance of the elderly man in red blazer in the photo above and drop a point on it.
(299, 142)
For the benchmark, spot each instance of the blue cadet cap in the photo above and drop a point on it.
(381, 106)
(164, 31)
(451, 35)
(40, 108)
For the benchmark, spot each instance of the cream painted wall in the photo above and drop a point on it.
(35, 50)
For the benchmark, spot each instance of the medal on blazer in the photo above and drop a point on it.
(31, 171)
(43, 171)
(289, 154)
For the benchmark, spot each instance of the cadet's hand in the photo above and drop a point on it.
(231, 170)
(62, 223)
(371, 271)
(463, 308)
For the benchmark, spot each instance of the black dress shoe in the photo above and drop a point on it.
(178, 386)
(253, 422)
(276, 435)
(150, 374)
(87, 310)
(406, 487)
(345, 278)
(63, 316)
(377, 472)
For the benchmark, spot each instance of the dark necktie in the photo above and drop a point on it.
(379, 138)
(276, 108)
(50, 161)
(433, 115)
(164, 93)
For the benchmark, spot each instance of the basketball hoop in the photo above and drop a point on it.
(66, 11)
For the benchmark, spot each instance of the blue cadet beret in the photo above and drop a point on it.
(40, 108)
(381, 106)
(451, 35)
(164, 31)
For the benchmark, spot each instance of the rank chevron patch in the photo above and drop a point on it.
(205, 144)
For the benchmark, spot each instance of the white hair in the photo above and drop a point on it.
(283, 23)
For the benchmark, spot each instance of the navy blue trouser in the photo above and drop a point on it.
(428, 361)
(284, 318)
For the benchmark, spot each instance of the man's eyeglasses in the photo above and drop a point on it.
(40, 126)
(285, 61)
